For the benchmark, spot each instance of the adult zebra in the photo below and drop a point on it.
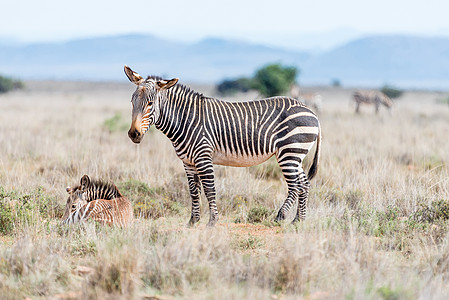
(206, 131)
(371, 97)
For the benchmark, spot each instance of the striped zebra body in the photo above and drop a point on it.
(375, 98)
(97, 201)
(206, 131)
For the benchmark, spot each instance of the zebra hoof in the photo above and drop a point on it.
(296, 220)
(280, 217)
(212, 223)
(192, 221)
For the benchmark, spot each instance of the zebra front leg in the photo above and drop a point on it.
(302, 198)
(194, 189)
(206, 174)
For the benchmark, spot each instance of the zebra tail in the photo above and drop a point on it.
(314, 167)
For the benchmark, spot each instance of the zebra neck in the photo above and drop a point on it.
(181, 109)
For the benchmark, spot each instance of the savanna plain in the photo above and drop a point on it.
(376, 228)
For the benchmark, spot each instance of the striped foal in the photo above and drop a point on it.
(206, 131)
(97, 201)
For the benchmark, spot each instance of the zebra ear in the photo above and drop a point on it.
(84, 182)
(166, 84)
(133, 76)
(68, 189)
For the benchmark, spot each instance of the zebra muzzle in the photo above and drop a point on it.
(135, 135)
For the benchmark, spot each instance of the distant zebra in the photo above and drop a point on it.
(206, 131)
(371, 97)
(313, 100)
(97, 201)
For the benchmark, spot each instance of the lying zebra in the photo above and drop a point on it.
(97, 201)
(371, 97)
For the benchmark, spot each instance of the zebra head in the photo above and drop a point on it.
(146, 102)
(77, 197)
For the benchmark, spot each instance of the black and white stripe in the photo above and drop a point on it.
(206, 131)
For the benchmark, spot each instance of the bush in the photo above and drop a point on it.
(17, 209)
(437, 211)
(275, 79)
(149, 202)
(115, 123)
(232, 86)
(391, 91)
(257, 214)
(7, 84)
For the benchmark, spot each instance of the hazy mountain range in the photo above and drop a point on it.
(405, 61)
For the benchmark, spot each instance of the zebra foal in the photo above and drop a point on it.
(97, 201)
(206, 131)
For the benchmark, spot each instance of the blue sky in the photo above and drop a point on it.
(286, 23)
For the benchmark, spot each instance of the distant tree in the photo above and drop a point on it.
(391, 91)
(231, 86)
(275, 79)
(7, 84)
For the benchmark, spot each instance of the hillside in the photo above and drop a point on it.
(407, 61)
(403, 60)
(103, 58)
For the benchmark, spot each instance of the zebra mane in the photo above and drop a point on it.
(99, 189)
(186, 90)
(154, 77)
(179, 88)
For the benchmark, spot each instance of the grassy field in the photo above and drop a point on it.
(377, 224)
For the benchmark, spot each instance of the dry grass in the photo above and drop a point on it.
(377, 223)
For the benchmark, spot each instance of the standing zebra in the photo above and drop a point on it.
(206, 131)
(97, 201)
(371, 97)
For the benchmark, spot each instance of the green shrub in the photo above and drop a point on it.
(388, 293)
(7, 84)
(250, 243)
(149, 202)
(232, 86)
(17, 209)
(436, 211)
(115, 123)
(391, 92)
(257, 214)
(275, 79)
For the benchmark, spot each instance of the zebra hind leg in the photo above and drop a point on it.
(288, 203)
(292, 171)
(302, 198)
(194, 189)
